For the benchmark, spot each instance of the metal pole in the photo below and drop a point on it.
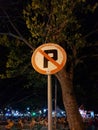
(55, 103)
(49, 103)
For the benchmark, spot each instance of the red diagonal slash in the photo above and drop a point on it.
(50, 59)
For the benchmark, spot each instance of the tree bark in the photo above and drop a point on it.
(73, 116)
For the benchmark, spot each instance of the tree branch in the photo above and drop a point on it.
(90, 33)
(19, 36)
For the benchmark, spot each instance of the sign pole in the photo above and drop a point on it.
(55, 102)
(49, 103)
(51, 57)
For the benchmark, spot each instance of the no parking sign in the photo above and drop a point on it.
(49, 58)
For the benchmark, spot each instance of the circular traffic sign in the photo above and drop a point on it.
(48, 58)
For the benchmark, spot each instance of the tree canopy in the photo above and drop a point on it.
(68, 23)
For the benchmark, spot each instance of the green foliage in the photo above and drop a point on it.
(54, 20)
(4, 51)
(48, 21)
(16, 57)
(60, 21)
(16, 61)
(64, 22)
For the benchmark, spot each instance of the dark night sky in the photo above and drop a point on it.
(11, 90)
(6, 92)
(12, 93)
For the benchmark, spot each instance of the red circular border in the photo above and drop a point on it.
(52, 71)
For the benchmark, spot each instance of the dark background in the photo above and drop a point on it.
(11, 90)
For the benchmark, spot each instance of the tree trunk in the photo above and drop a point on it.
(73, 116)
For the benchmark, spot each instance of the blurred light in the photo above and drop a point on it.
(28, 108)
(92, 114)
(5, 108)
(8, 110)
(33, 114)
(62, 112)
(40, 111)
(45, 110)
